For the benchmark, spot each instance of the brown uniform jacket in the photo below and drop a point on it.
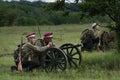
(33, 52)
(96, 33)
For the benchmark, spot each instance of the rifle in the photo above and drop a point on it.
(39, 32)
(19, 56)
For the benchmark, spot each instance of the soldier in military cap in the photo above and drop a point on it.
(30, 51)
(36, 50)
(45, 40)
(43, 43)
(96, 31)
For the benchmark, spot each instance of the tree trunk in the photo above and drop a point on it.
(118, 36)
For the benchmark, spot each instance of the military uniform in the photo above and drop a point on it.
(41, 47)
(33, 51)
(96, 35)
(32, 55)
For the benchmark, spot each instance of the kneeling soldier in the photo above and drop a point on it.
(29, 58)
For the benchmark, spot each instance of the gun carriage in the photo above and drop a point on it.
(59, 59)
(66, 56)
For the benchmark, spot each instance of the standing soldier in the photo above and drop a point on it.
(96, 31)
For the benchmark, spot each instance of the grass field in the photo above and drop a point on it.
(95, 65)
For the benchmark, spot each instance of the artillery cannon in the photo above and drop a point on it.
(59, 59)
(66, 56)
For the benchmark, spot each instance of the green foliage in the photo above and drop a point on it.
(107, 7)
(58, 5)
(39, 13)
(26, 21)
(7, 17)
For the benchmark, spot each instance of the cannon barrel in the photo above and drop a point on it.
(66, 47)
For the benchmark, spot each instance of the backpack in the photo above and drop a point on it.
(87, 39)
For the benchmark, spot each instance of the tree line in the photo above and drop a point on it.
(25, 13)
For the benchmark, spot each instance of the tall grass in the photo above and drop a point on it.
(95, 65)
(105, 60)
(87, 71)
(11, 36)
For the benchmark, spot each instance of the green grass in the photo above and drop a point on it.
(11, 36)
(95, 65)
(105, 60)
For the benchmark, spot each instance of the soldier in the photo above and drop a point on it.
(30, 51)
(87, 40)
(43, 43)
(96, 31)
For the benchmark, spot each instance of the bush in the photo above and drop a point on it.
(25, 21)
